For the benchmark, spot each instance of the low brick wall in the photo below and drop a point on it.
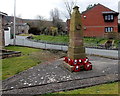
(9, 53)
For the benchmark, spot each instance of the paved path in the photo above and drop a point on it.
(21, 40)
(52, 77)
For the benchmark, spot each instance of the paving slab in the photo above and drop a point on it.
(52, 76)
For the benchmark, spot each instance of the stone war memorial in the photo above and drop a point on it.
(76, 59)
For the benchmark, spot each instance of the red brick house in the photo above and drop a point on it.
(98, 21)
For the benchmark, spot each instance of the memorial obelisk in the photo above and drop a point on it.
(76, 48)
(76, 59)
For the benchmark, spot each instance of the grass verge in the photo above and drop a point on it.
(51, 39)
(30, 57)
(14, 65)
(110, 88)
(88, 41)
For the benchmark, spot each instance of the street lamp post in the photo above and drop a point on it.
(14, 22)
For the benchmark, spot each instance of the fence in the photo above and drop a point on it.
(45, 45)
(22, 41)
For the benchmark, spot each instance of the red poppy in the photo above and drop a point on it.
(88, 66)
(76, 68)
(66, 59)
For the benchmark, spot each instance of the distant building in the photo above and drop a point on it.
(98, 21)
(2, 24)
(119, 12)
(20, 28)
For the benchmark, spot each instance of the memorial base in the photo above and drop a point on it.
(69, 67)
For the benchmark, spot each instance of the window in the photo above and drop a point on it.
(108, 29)
(109, 18)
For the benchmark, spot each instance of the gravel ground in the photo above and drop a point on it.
(52, 76)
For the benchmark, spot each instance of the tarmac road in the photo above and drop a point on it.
(22, 41)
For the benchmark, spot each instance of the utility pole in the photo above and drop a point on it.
(14, 22)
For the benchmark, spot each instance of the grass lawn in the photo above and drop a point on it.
(30, 57)
(52, 39)
(25, 34)
(88, 41)
(14, 65)
(65, 39)
(110, 88)
(91, 41)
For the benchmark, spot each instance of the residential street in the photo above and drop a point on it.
(23, 41)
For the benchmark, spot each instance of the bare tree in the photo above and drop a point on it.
(69, 6)
(55, 17)
(41, 21)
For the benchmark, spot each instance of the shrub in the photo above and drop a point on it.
(34, 30)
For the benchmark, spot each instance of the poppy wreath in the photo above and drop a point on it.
(76, 68)
(85, 60)
(79, 64)
(66, 59)
(70, 62)
(88, 66)
(75, 62)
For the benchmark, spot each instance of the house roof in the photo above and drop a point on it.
(21, 24)
(98, 5)
(107, 12)
(3, 14)
(110, 12)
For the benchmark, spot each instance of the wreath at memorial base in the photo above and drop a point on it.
(78, 64)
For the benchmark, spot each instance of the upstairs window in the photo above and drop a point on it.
(108, 29)
(109, 18)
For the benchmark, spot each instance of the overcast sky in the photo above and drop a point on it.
(29, 9)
